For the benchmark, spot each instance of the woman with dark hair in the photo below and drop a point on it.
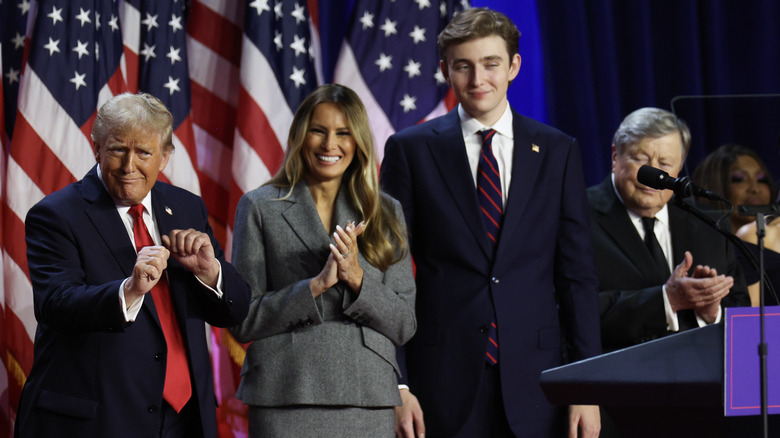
(738, 174)
(332, 288)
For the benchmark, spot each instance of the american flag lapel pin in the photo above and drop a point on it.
(535, 148)
(168, 210)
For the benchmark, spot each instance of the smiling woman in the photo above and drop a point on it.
(328, 147)
(332, 288)
(738, 174)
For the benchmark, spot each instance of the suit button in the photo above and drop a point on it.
(158, 357)
(230, 300)
(152, 409)
(483, 329)
(494, 280)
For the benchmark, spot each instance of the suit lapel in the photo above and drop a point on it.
(344, 211)
(527, 158)
(617, 224)
(165, 216)
(449, 155)
(106, 221)
(302, 217)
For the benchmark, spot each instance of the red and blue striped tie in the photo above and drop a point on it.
(489, 189)
(492, 206)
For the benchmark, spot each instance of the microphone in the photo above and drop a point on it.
(683, 186)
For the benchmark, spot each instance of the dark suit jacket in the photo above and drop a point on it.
(631, 301)
(95, 375)
(541, 282)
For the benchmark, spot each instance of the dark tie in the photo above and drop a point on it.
(178, 389)
(489, 189)
(653, 246)
(492, 207)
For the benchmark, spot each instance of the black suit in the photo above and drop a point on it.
(94, 375)
(630, 297)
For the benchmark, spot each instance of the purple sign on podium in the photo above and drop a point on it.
(743, 376)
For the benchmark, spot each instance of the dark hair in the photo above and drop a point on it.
(475, 23)
(714, 173)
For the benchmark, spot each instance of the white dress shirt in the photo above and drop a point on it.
(663, 233)
(503, 145)
(131, 312)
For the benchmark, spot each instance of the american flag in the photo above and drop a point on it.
(233, 73)
(390, 58)
(5, 406)
(280, 45)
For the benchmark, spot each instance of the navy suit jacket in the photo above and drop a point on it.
(630, 287)
(93, 374)
(541, 282)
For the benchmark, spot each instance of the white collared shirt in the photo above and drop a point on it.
(663, 233)
(503, 145)
(130, 313)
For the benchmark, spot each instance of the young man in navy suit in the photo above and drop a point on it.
(495, 205)
(125, 271)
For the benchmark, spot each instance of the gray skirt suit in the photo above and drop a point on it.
(324, 365)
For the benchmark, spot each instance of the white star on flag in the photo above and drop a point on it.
(297, 77)
(172, 85)
(78, 80)
(384, 62)
(55, 15)
(412, 68)
(150, 22)
(148, 51)
(260, 6)
(83, 17)
(81, 48)
(52, 46)
(367, 20)
(389, 27)
(408, 103)
(418, 34)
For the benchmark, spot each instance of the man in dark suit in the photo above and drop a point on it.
(648, 284)
(495, 205)
(120, 348)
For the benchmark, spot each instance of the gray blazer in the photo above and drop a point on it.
(338, 349)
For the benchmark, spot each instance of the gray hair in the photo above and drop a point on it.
(128, 111)
(650, 123)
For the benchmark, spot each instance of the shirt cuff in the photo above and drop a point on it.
(218, 290)
(130, 313)
(703, 323)
(672, 323)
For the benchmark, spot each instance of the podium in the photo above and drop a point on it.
(669, 387)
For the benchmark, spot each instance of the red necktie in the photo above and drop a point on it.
(492, 206)
(178, 389)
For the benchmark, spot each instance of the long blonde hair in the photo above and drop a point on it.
(383, 242)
